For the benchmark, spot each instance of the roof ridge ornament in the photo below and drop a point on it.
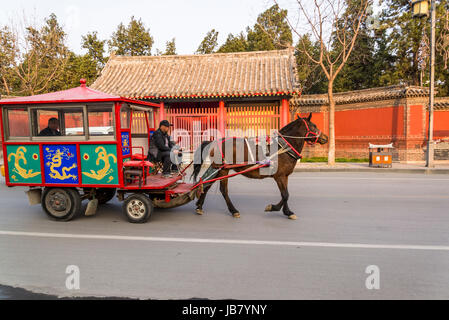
(83, 82)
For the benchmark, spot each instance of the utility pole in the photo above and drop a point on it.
(430, 142)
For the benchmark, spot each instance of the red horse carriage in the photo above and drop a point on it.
(99, 150)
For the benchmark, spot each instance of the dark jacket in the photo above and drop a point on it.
(159, 142)
(47, 132)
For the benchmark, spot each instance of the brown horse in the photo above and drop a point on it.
(286, 152)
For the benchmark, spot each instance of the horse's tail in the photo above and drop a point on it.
(198, 159)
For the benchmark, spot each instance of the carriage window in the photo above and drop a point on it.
(101, 122)
(139, 123)
(125, 116)
(18, 123)
(43, 121)
(56, 122)
(150, 114)
(73, 122)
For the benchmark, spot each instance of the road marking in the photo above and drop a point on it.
(295, 177)
(227, 241)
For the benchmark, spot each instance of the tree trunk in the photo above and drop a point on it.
(331, 155)
(6, 86)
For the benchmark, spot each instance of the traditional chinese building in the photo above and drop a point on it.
(248, 90)
(259, 91)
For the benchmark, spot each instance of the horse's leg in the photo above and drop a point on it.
(282, 183)
(202, 198)
(199, 204)
(224, 192)
(275, 207)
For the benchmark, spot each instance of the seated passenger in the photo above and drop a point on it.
(160, 148)
(52, 129)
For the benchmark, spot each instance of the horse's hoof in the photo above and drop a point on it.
(236, 215)
(199, 212)
(293, 217)
(268, 208)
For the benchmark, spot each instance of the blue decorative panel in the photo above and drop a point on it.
(61, 164)
(126, 150)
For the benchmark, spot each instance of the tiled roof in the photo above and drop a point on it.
(200, 76)
(374, 94)
(441, 103)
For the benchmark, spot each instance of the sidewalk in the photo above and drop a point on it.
(440, 167)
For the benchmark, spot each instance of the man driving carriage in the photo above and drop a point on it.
(161, 146)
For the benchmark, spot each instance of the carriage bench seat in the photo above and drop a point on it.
(138, 163)
(138, 156)
(136, 169)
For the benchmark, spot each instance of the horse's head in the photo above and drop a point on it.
(313, 134)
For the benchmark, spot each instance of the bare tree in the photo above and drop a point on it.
(8, 55)
(42, 55)
(334, 25)
(423, 56)
(442, 44)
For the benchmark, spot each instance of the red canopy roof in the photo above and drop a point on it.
(79, 94)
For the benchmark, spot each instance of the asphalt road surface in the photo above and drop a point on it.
(346, 223)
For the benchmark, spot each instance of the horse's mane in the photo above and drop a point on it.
(292, 125)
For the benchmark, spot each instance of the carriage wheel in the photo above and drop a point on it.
(138, 208)
(61, 204)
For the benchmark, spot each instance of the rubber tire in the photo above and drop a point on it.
(147, 204)
(75, 200)
(104, 195)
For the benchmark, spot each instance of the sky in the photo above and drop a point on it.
(187, 21)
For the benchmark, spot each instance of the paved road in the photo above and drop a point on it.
(347, 221)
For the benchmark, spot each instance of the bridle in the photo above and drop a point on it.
(310, 132)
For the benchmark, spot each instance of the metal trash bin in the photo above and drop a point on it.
(381, 156)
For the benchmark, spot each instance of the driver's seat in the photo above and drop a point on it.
(137, 169)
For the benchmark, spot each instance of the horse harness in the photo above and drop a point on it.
(285, 145)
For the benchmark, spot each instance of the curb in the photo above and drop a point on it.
(376, 170)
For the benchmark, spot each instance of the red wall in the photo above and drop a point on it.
(363, 122)
(440, 124)
(416, 120)
(356, 128)
(370, 122)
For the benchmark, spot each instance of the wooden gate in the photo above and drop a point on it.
(191, 124)
(252, 119)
